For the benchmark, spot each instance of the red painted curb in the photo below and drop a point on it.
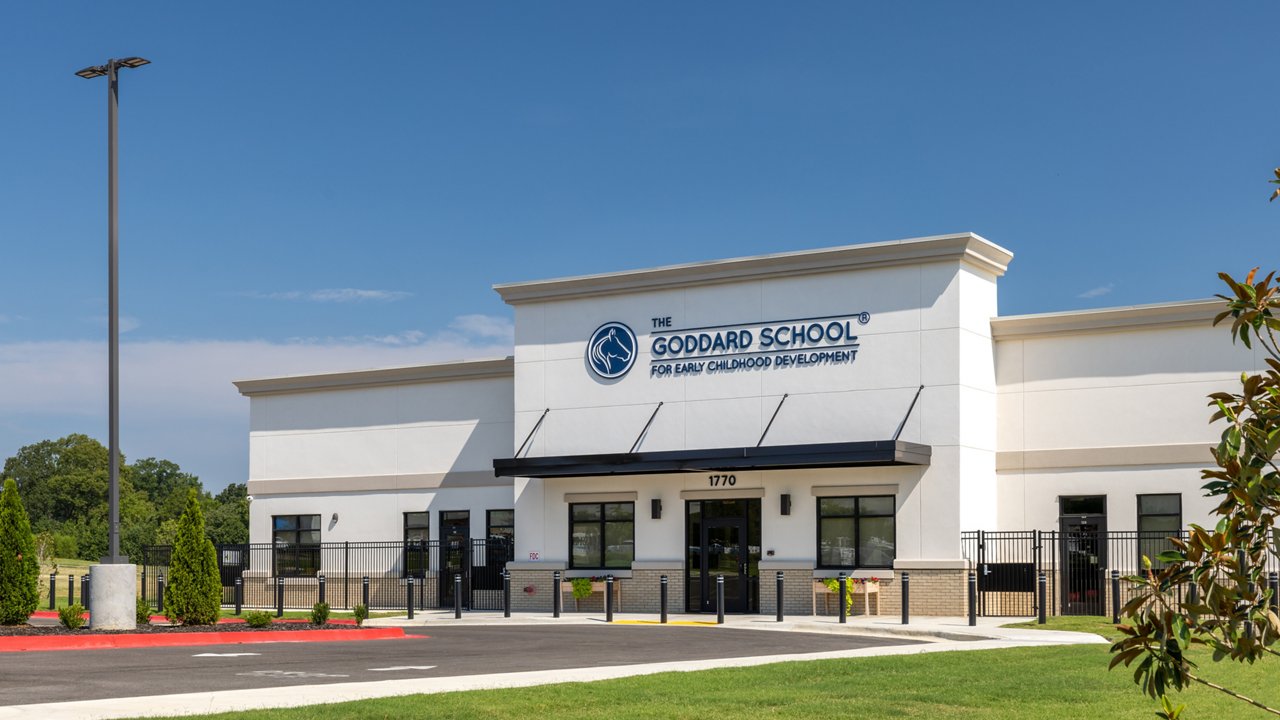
(37, 643)
(52, 615)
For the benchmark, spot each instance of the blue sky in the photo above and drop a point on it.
(323, 186)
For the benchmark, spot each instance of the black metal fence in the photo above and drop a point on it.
(1077, 565)
(345, 574)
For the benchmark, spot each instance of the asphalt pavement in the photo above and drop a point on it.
(428, 652)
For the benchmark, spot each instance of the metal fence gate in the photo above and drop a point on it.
(1077, 566)
(345, 572)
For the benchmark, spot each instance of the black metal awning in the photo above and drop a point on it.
(872, 453)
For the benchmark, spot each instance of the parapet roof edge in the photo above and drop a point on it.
(967, 247)
(1182, 312)
(480, 369)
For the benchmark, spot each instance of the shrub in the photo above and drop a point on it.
(257, 618)
(194, 594)
(581, 588)
(361, 612)
(19, 566)
(143, 612)
(320, 613)
(65, 546)
(71, 616)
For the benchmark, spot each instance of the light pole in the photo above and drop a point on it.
(111, 71)
(114, 589)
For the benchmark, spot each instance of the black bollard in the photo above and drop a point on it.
(555, 594)
(53, 591)
(719, 599)
(778, 578)
(279, 596)
(84, 591)
(1273, 580)
(506, 593)
(1042, 595)
(364, 591)
(906, 597)
(160, 594)
(608, 598)
(71, 589)
(844, 594)
(973, 598)
(457, 596)
(144, 582)
(239, 595)
(408, 596)
(1115, 597)
(320, 592)
(662, 597)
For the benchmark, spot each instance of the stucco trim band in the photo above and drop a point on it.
(726, 494)
(1174, 454)
(374, 483)
(1191, 312)
(437, 372)
(601, 497)
(967, 248)
(852, 490)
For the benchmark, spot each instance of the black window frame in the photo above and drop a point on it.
(417, 552)
(1147, 543)
(857, 515)
(489, 525)
(603, 522)
(295, 559)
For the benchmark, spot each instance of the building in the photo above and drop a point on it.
(853, 409)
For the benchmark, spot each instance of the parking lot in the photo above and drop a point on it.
(29, 678)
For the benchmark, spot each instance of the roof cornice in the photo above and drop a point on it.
(968, 248)
(1173, 314)
(437, 372)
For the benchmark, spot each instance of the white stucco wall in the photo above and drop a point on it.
(1135, 394)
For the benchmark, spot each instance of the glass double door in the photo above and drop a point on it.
(724, 542)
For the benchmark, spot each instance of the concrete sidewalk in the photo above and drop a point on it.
(935, 629)
(939, 634)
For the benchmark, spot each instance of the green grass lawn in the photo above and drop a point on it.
(1022, 683)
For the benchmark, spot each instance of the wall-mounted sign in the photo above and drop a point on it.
(806, 342)
(612, 350)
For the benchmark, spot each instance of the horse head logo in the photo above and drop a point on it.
(612, 350)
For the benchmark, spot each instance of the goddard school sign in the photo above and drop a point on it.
(777, 345)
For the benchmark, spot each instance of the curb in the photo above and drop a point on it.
(39, 643)
(53, 615)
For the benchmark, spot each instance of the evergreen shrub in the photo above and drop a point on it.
(194, 592)
(257, 618)
(71, 616)
(320, 613)
(19, 566)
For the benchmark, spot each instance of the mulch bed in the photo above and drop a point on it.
(158, 628)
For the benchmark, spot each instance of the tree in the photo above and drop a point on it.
(195, 586)
(19, 568)
(227, 521)
(1233, 612)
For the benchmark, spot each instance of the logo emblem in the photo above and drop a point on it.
(612, 350)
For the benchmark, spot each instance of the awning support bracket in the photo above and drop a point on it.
(531, 432)
(903, 424)
(640, 437)
(772, 417)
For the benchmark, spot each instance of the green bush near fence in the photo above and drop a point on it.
(19, 566)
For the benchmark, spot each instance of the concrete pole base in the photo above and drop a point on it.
(113, 597)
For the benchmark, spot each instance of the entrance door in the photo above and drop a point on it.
(723, 547)
(724, 543)
(1083, 523)
(455, 553)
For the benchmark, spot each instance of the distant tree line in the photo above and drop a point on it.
(63, 484)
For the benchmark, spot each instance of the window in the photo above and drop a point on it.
(416, 549)
(856, 532)
(1159, 518)
(297, 544)
(502, 525)
(602, 535)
